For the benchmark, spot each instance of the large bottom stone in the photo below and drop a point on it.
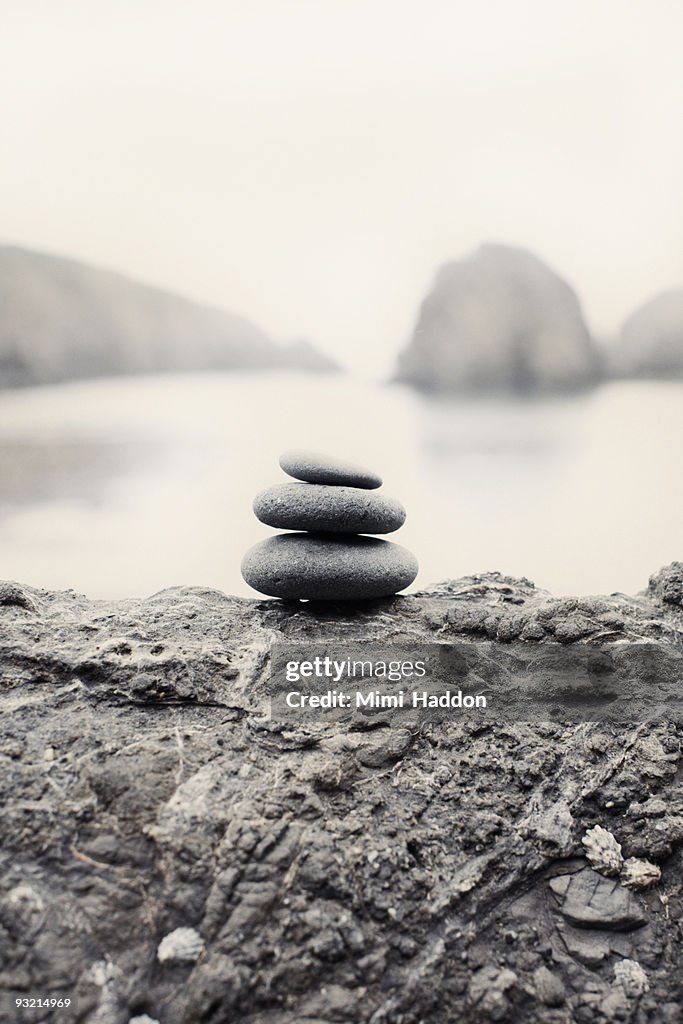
(324, 568)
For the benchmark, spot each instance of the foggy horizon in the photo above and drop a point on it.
(314, 177)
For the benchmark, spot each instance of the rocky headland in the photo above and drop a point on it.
(171, 854)
(65, 320)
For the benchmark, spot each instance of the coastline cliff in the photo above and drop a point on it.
(61, 320)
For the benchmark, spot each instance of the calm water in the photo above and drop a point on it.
(123, 487)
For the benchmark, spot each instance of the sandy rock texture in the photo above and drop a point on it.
(171, 855)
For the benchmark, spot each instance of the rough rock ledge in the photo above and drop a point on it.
(314, 875)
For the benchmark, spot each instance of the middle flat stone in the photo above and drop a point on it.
(328, 509)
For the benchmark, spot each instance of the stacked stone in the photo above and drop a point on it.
(334, 506)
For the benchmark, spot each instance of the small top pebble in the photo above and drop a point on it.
(314, 468)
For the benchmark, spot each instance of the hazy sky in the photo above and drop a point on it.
(309, 163)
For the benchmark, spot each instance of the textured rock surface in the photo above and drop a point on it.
(316, 468)
(384, 876)
(651, 342)
(328, 567)
(326, 508)
(499, 320)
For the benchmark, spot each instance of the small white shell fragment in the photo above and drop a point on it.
(103, 972)
(143, 1019)
(631, 977)
(603, 852)
(182, 946)
(639, 874)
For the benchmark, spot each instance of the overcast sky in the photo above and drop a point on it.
(309, 163)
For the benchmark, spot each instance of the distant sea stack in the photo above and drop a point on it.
(500, 320)
(651, 342)
(63, 320)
